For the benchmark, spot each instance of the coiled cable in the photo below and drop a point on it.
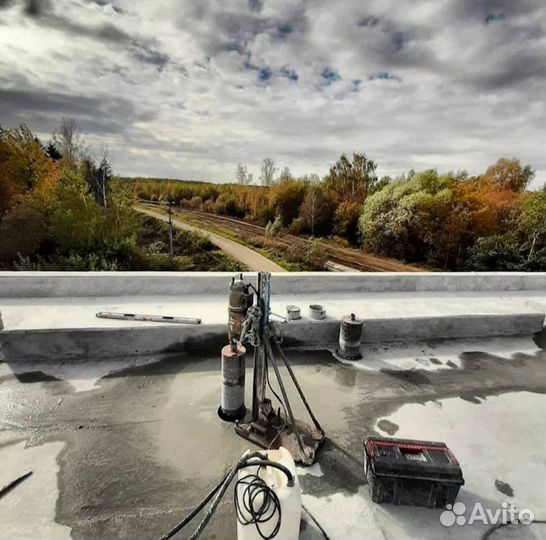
(259, 502)
(254, 459)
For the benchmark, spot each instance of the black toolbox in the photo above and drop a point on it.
(403, 471)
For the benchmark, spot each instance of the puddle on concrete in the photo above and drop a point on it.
(413, 376)
(34, 376)
(470, 398)
(156, 444)
(504, 487)
(390, 428)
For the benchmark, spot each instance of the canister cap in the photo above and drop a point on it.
(351, 319)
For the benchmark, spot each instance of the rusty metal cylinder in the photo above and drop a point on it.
(232, 405)
(350, 336)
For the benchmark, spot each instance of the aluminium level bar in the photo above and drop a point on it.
(148, 318)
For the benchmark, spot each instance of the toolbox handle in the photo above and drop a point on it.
(411, 448)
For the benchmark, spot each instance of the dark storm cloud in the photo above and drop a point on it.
(518, 69)
(505, 50)
(36, 8)
(149, 55)
(105, 3)
(102, 32)
(479, 10)
(395, 44)
(492, 17)
(223, 30)
(512, 52)
(368, 22)
(238, 29)
(265, 73)
(106, 115)
(255, 5)
(385, 76)
(290, 74)
(393, 35)
(43, 12)
(142, 50)
(329, 75)
(300, 80)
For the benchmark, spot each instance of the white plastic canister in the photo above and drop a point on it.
(289, 498)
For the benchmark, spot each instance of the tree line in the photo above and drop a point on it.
(450, 221)
(62, 209)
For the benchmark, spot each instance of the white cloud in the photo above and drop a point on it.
(188, 89)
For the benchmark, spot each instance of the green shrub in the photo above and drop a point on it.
(297, 227)
(316, 254)
(274, 229)
(498, 252)
(346, 220)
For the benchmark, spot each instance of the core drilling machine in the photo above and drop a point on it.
(249, 323)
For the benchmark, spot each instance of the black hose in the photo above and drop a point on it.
(179, 526)
(274, 465)
(194, 512)
(244, 462)
(489, 532)
(270, 500)
(315, 521)
(8, 487)
(214, 505)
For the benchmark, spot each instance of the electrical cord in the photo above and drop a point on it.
(194, 512)
(259, 502)
(262, 514)
(489, 532)
(315, 521)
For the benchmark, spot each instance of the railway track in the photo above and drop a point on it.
(350, 257)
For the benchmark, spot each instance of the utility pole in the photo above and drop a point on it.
(170, 205)
(104, 187)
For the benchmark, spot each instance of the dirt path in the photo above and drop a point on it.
(250, 258)
(349, 257)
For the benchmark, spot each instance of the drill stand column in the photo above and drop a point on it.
(266, 427)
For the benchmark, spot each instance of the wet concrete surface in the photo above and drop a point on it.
(141, 443)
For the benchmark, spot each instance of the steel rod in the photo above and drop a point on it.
(285, 398)
(296, 384)
(258, 386)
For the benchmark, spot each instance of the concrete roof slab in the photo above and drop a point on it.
(132, 450)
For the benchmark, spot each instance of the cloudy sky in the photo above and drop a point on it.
(186, 89)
